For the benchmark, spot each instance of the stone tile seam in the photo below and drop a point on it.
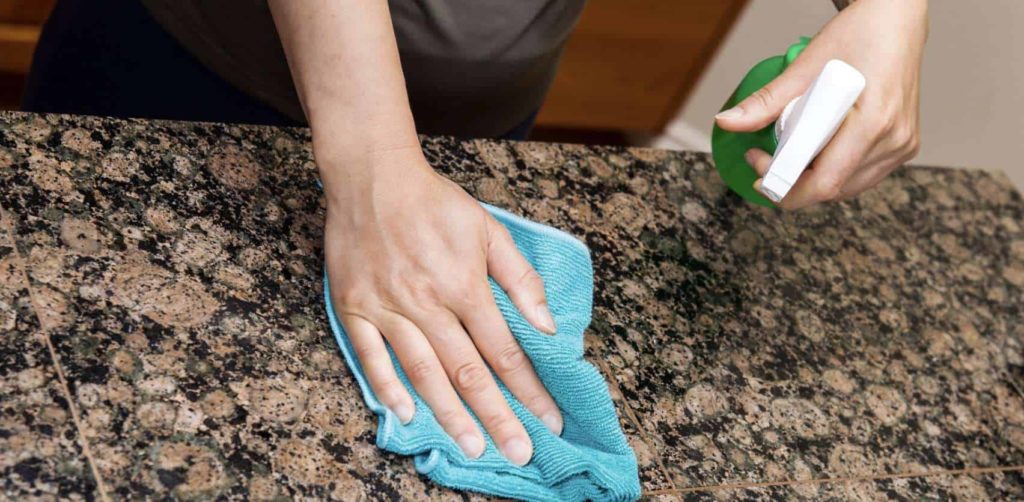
(840, 480)
(644, 435)
(55, 358)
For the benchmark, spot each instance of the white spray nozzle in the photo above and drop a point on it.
(808, 124)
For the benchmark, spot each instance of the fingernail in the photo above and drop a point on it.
(517, 451)
(404, 413)
(731, 113)
(749, 157)
(471, 445)
(547, 323)
(553, 422)
(757, 184)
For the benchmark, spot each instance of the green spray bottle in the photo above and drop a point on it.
(804, 128)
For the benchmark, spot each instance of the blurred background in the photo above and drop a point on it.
(654, 72)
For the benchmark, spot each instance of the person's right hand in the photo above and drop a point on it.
(408, 254)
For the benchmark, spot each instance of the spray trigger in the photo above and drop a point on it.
(808, 123)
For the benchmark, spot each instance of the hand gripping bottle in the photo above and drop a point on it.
(806, 125)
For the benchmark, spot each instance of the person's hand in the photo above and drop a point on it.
(884, 39)
(408, 254)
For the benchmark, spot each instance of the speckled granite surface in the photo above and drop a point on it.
(163, 332)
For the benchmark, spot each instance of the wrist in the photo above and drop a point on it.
(350, 147)
(350, 174)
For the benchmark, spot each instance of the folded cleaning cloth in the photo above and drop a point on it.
(591, 460)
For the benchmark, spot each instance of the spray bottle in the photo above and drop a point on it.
(806, 125)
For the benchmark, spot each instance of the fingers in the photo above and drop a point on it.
(474, 382)
(515, 275)
(828, 173)
(759, 160)
(865, 179)
(426, 374)
(380, 372)
(824, 180)
(766, 104)
(441, 377)
(503, 353)
(891, 151)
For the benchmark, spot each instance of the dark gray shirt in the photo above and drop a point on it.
(472, 67)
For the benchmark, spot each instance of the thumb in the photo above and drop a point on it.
(766, 104)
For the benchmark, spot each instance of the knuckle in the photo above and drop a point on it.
(914, 146)
(364, 352)
(499, 236)
(465, 290)
(828, 189)
(902, 135)
(530, 279)
(501, 232)
(890, 123)
(415, 285)
(415, 294)
(470, 377)
(500, 421)
(879, 122)
(390, 391)
(420, 370)
(878, 128)
(350, 298)
(764, 96)
(510, 359)
(910, 142)
(449, 416)
(538, 403)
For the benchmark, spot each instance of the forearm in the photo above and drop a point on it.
(345, 65)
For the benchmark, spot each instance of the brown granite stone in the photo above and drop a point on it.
(177, 269)
(40, 457)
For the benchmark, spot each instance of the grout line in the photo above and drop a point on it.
(58, 368)
(644, 436)
(86, 450)
(841, 480)
(1014, 385)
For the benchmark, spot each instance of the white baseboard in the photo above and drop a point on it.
(680, 135)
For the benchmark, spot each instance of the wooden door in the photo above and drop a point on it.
(631, 63)
(20, 23)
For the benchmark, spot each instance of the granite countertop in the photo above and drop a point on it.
(163, 330)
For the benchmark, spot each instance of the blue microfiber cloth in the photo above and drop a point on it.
(592, 459)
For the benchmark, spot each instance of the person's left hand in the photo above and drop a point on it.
(884, 39)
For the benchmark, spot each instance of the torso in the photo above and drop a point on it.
(472, 67)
